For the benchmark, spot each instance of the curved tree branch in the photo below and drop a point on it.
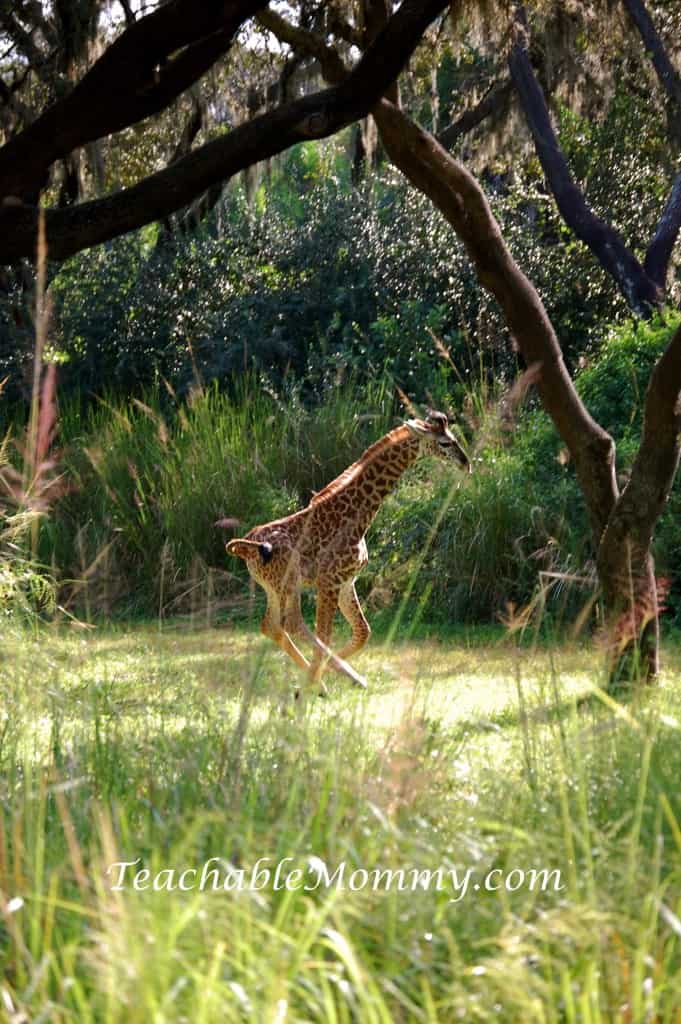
(160, 194)
(141, 73)
(462, 202)
(309, 43)
(641, 293)
(494, 100)
(666, 72)
(662, 244)
(652, 474)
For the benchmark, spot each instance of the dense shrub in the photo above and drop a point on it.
(314, 280)
(518, 529)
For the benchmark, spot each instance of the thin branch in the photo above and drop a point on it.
(21, 37)
(301, 40)
(494, 100)
(666, 72)
(191, 129)
(127, 12)
(344, 30)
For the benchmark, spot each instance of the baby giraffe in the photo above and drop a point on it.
(323, 545)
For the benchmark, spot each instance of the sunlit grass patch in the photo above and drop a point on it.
(176, 749)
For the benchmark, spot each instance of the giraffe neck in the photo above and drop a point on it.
(358, 492)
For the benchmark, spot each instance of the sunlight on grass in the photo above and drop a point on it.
(177, 749)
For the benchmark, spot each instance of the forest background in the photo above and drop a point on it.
(315, 297)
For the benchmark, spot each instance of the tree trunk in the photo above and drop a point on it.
(631, 631)
(622, 524)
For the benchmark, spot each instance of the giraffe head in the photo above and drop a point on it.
(437, 439)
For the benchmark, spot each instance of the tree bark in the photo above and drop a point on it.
(494, 100)
(666, 72)
(141, 73)
(462, 202)
(624, 559)
(642, 285)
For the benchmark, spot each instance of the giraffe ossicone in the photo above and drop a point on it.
(323, 545)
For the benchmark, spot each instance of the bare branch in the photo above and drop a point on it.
(663, 241)
(666, 72)
(191, 129)
(494, 100)
(640, 291)
(301, 40)
(127, 12)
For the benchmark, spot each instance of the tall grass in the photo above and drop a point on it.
(29, 478)
(178, 748)
(158, 486)
(152, 479)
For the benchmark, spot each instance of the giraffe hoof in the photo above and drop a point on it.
(361, 682)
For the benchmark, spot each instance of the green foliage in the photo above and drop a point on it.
(464, 550)
(317, 279)
(630, 142)
(28, 588)
(151, 479)
(614, 385)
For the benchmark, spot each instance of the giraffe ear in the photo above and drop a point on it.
(437, 421)
(417, 427)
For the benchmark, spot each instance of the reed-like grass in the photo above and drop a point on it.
(152, 481)
(175, 747)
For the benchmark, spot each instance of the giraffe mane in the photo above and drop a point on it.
(396, 436)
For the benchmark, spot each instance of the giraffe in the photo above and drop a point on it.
(324, 546)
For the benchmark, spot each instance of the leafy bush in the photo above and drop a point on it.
(316, 279)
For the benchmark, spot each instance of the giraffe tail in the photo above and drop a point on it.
(247, 548)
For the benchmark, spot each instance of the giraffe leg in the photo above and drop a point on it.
(351, 610)
(327, 603)
(271, 626)
(293, 615)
